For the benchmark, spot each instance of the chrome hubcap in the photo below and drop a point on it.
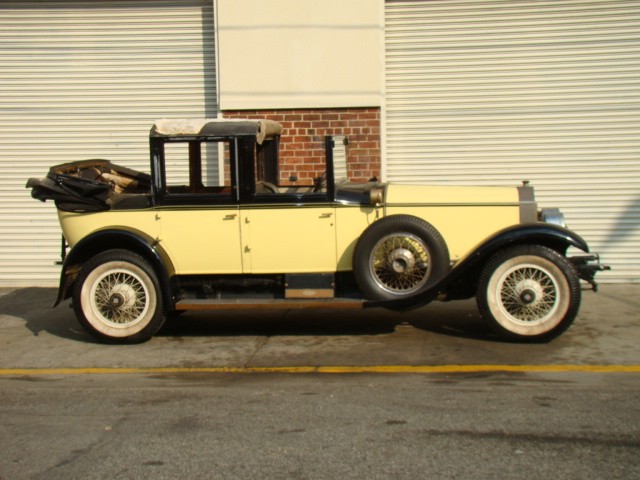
(401, 260)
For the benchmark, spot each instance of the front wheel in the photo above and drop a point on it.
(117, 298)
(529, 292)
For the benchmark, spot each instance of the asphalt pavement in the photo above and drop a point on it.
(36, 336)
(320, 395)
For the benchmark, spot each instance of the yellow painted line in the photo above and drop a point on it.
(424, 369)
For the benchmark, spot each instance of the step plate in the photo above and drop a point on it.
(273, 304)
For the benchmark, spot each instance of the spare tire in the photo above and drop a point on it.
(399, 256)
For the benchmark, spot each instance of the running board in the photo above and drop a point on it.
(269, 303)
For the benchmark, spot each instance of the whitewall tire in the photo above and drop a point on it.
(117, 297)
(529, 292)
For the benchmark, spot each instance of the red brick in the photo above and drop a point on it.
(367, 116)
(304, 131)
(312, 117)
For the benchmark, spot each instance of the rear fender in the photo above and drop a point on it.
(102, 240)
(462, 279)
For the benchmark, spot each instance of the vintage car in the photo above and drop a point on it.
(221, 223)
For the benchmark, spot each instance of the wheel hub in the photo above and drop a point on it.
(121, 297)
(401, 260)
(399, 263)
(529, 292)
(116, 301)
(527, 296)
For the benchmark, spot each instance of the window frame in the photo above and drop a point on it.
(249, 179)
(159, 174)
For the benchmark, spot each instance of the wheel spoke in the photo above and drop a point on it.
(129, 292)
(400, 263)
(528, 294)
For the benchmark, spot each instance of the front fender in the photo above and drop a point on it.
(461, 280)
(108, 239)
(549, 235)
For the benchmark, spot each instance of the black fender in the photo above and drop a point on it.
(108, 239)
(461, 280)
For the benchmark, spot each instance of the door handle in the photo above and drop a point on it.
(326, 215)
(230, 216)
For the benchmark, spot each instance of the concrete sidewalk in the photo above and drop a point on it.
(34, 335)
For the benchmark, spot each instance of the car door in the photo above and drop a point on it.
(288, 238)
(287, 214)
(201, 240)
(198, 211)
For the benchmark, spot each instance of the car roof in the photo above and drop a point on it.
(216, 127)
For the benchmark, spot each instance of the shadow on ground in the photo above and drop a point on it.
(458, 319)
(461, 321)
(34, 306)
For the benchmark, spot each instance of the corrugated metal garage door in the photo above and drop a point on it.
(494, 92)
(87, 80)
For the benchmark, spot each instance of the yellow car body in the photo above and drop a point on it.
(217, 224)
(300, 238)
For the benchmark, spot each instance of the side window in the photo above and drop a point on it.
(198, 169)
(291, 178)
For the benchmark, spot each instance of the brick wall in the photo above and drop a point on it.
(302, 141)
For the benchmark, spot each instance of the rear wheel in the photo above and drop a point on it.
(117, 298)
(529, 292)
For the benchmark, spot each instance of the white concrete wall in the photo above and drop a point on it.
(300, 53)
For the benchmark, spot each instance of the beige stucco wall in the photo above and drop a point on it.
(299, 53)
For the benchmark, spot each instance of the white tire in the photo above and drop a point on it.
(117, 297)
(529, 292)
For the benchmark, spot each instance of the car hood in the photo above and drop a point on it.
(450, 195)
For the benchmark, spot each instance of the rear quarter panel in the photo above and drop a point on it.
(76, 226)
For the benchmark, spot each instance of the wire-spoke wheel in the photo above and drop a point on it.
(116, 297)
(120, 297)
(400, 263)
(399, 256)
(529, 292)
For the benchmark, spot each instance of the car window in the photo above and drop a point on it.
(286, 176)
(198, 168)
